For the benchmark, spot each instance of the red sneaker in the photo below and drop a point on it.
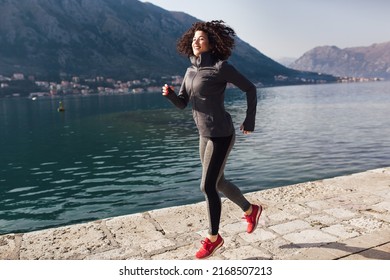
(208, 248)
(253, 218)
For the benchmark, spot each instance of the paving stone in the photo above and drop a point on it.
(345, 217)
(338, 249)
(279, 248)
(385, 217)
(297, 209)
(116, 254)
(377, 253)
(281, 216)
(369, 240)
(179, 220)
(382, 207)
(366, 224)
(157, 245)
(181, 253)
(356, 199)
(8, 247)
(246, 253)
(384, 192)
(231, 213)
(290, 226)
(320, 204)
(259, 235)
(342, 231)
(71, 242)
(234, 228)
(131, 231)
(313, 254)
(321, 220)
(309, 238)
(340, 213)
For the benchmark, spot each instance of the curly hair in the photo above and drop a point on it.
(221, 38)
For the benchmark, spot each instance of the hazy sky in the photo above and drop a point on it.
(289, 28)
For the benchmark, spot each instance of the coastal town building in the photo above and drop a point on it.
(14, 85)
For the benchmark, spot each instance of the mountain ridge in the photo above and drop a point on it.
(371, 61)
(125, 39)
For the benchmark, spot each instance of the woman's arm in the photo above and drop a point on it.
(232, 75)
(180, 100)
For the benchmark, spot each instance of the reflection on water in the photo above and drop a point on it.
(114, 155)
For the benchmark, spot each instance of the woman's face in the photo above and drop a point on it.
(200, 43)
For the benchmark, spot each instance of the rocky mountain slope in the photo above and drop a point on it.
(372, 61)
(124, 39)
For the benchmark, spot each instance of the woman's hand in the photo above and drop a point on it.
(166, 89)
(244, 131)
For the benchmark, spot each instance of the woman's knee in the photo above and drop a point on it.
(209, 190)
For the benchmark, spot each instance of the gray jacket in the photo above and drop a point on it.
(204, 86)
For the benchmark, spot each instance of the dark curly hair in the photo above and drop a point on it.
(221, 38)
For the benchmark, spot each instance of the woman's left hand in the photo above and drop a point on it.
(244, 131)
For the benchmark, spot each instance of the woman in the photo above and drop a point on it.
(209, 45)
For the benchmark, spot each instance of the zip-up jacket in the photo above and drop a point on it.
(204, 86)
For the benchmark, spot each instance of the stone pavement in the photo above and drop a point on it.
(345, 217)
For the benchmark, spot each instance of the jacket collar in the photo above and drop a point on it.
(203, 60)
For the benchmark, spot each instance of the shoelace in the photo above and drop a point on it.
(206, 244)
(248, 218)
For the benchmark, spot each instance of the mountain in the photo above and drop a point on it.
(371, 62)
(122, 39)
(286, 61)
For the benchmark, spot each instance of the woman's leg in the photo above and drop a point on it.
(230, 190)
(213, 154)
(210, 170)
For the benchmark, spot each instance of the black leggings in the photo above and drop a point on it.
(214, 152)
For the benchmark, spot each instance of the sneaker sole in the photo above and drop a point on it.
(257, 218)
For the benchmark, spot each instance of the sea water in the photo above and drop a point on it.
(106, 156)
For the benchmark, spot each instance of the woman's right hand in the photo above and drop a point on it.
(166, 89)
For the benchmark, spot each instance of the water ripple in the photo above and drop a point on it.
(140, 153)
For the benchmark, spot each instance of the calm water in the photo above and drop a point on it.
(114, 155)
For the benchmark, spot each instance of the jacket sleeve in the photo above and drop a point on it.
(231, 75)
(180, 100)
